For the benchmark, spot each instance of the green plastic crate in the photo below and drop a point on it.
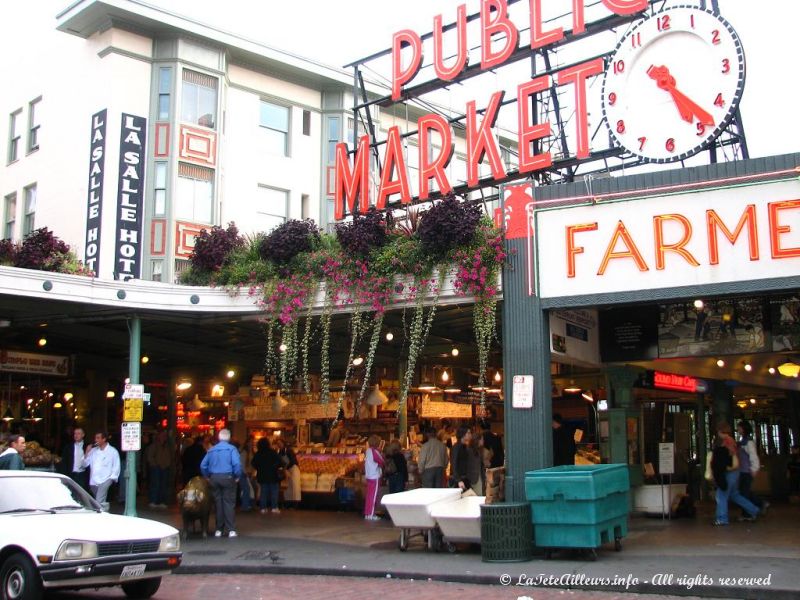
(558, 510)
(577, 482)
(580, 536)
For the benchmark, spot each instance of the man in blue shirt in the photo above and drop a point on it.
(221, 465)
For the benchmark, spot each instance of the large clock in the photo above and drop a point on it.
(673, 84)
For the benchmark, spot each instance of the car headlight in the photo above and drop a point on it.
(76, 550)
(171, 543)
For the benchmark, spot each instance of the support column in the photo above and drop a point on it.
(620, 383)
(526, 351)
(135, 328)
(402, 414)
(623, 440)
(721, 405)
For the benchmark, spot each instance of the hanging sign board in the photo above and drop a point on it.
(666, 458)
(522, 391)
(133, 410)
(442, 410)
(131, 438)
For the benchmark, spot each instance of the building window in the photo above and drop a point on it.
(164, 89)
(181, 266)
(158, 270)
(274, 120)
(9, 216)
(305, 206)
(306, 122)
(333, 138)
(13, 135)
(33, 125)
(160, 203)
(272, 208)
(199, 99)
(194, 200)
(29, 221)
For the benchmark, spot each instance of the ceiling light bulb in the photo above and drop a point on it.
(282, 347)
(752, 400)
(389, 336)
(145, 359)
(497, 376)
(445, 376)
(357, 361)
(184, 385)
(454, 351)
(42, 341)
(68, 396)
(720, 362)
(771, 370)
(748, 367)
(110, 394)
(230, 374)
(698, 304)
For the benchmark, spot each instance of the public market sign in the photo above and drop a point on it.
(690, 104)
(699, 238)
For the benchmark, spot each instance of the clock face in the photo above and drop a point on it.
(673, 84)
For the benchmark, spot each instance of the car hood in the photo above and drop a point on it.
(42, 533)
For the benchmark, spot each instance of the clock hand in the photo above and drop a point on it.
(686, 107)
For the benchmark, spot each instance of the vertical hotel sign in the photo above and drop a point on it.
(97, 161)
(128, 253)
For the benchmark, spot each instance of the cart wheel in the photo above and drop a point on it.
(403, 540)
(451, 548)
(618, 544)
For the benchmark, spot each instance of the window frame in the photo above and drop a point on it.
(29, 216)
(14, 137)
(199, 86)
(33, 125)
(164, 92)
(287, 204)
(9, 216)
(158, 166)
(195, 180)
(287, 133)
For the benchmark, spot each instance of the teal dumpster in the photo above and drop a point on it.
(579, 506)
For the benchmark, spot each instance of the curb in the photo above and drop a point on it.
(715, 591)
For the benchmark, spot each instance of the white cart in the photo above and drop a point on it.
(411, 513)
(459, 521)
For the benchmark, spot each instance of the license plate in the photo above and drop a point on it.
(132, 571)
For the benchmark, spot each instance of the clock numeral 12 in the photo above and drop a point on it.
(663, 23)
(670, 145)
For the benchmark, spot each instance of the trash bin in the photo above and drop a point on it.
(579, 506)
(506, 532)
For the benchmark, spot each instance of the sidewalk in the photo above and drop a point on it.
(686, 557)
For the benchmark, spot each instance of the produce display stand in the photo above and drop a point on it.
(459, 521)
(411, 513)
(579, 506)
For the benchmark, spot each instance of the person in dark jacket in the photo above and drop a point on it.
(465, 462)
(492, 443)
(267, 463)
(563, 442)
(399, 477)
(11, 458)
(193, 455)
(72, 455)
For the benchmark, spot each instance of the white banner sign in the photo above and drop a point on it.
(27, 362)
(699, 238)
(522, 391)
(131, 438)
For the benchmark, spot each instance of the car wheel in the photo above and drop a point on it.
(144, 588)
(20, 579)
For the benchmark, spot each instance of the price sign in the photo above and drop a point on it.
(522, 391)
(131, 438)
(133, 410)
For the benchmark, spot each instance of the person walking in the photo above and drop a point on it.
(102, 459)
(193, 455)
(373, 469)
(222, 468)
(396, 468)
(11, 458)
(563, 442)
(465, 462)
(432, 460)
(293, 493)
(159, 456)
(267, 463)
(493, 444)
(72, 455)
(723, 469)
(749, 465)
(245, 490)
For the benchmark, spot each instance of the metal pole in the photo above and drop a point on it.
(135, 330)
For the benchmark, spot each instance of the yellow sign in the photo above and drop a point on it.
(133, 410)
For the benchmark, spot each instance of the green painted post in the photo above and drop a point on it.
(402, 416)
(130, 457)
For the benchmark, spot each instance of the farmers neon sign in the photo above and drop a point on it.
(499, 39)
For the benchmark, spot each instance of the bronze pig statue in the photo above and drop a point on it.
(195, 501)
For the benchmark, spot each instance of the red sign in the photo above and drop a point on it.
(671, 381)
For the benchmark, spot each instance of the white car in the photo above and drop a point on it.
(53, 535)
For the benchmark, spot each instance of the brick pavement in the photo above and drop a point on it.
(310, 587)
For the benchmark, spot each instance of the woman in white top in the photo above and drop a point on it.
(373, 469)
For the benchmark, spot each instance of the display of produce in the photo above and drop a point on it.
(319, 471)
(35, 455)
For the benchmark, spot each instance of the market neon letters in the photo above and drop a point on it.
(622, 244)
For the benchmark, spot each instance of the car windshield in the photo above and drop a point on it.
(18, 494)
